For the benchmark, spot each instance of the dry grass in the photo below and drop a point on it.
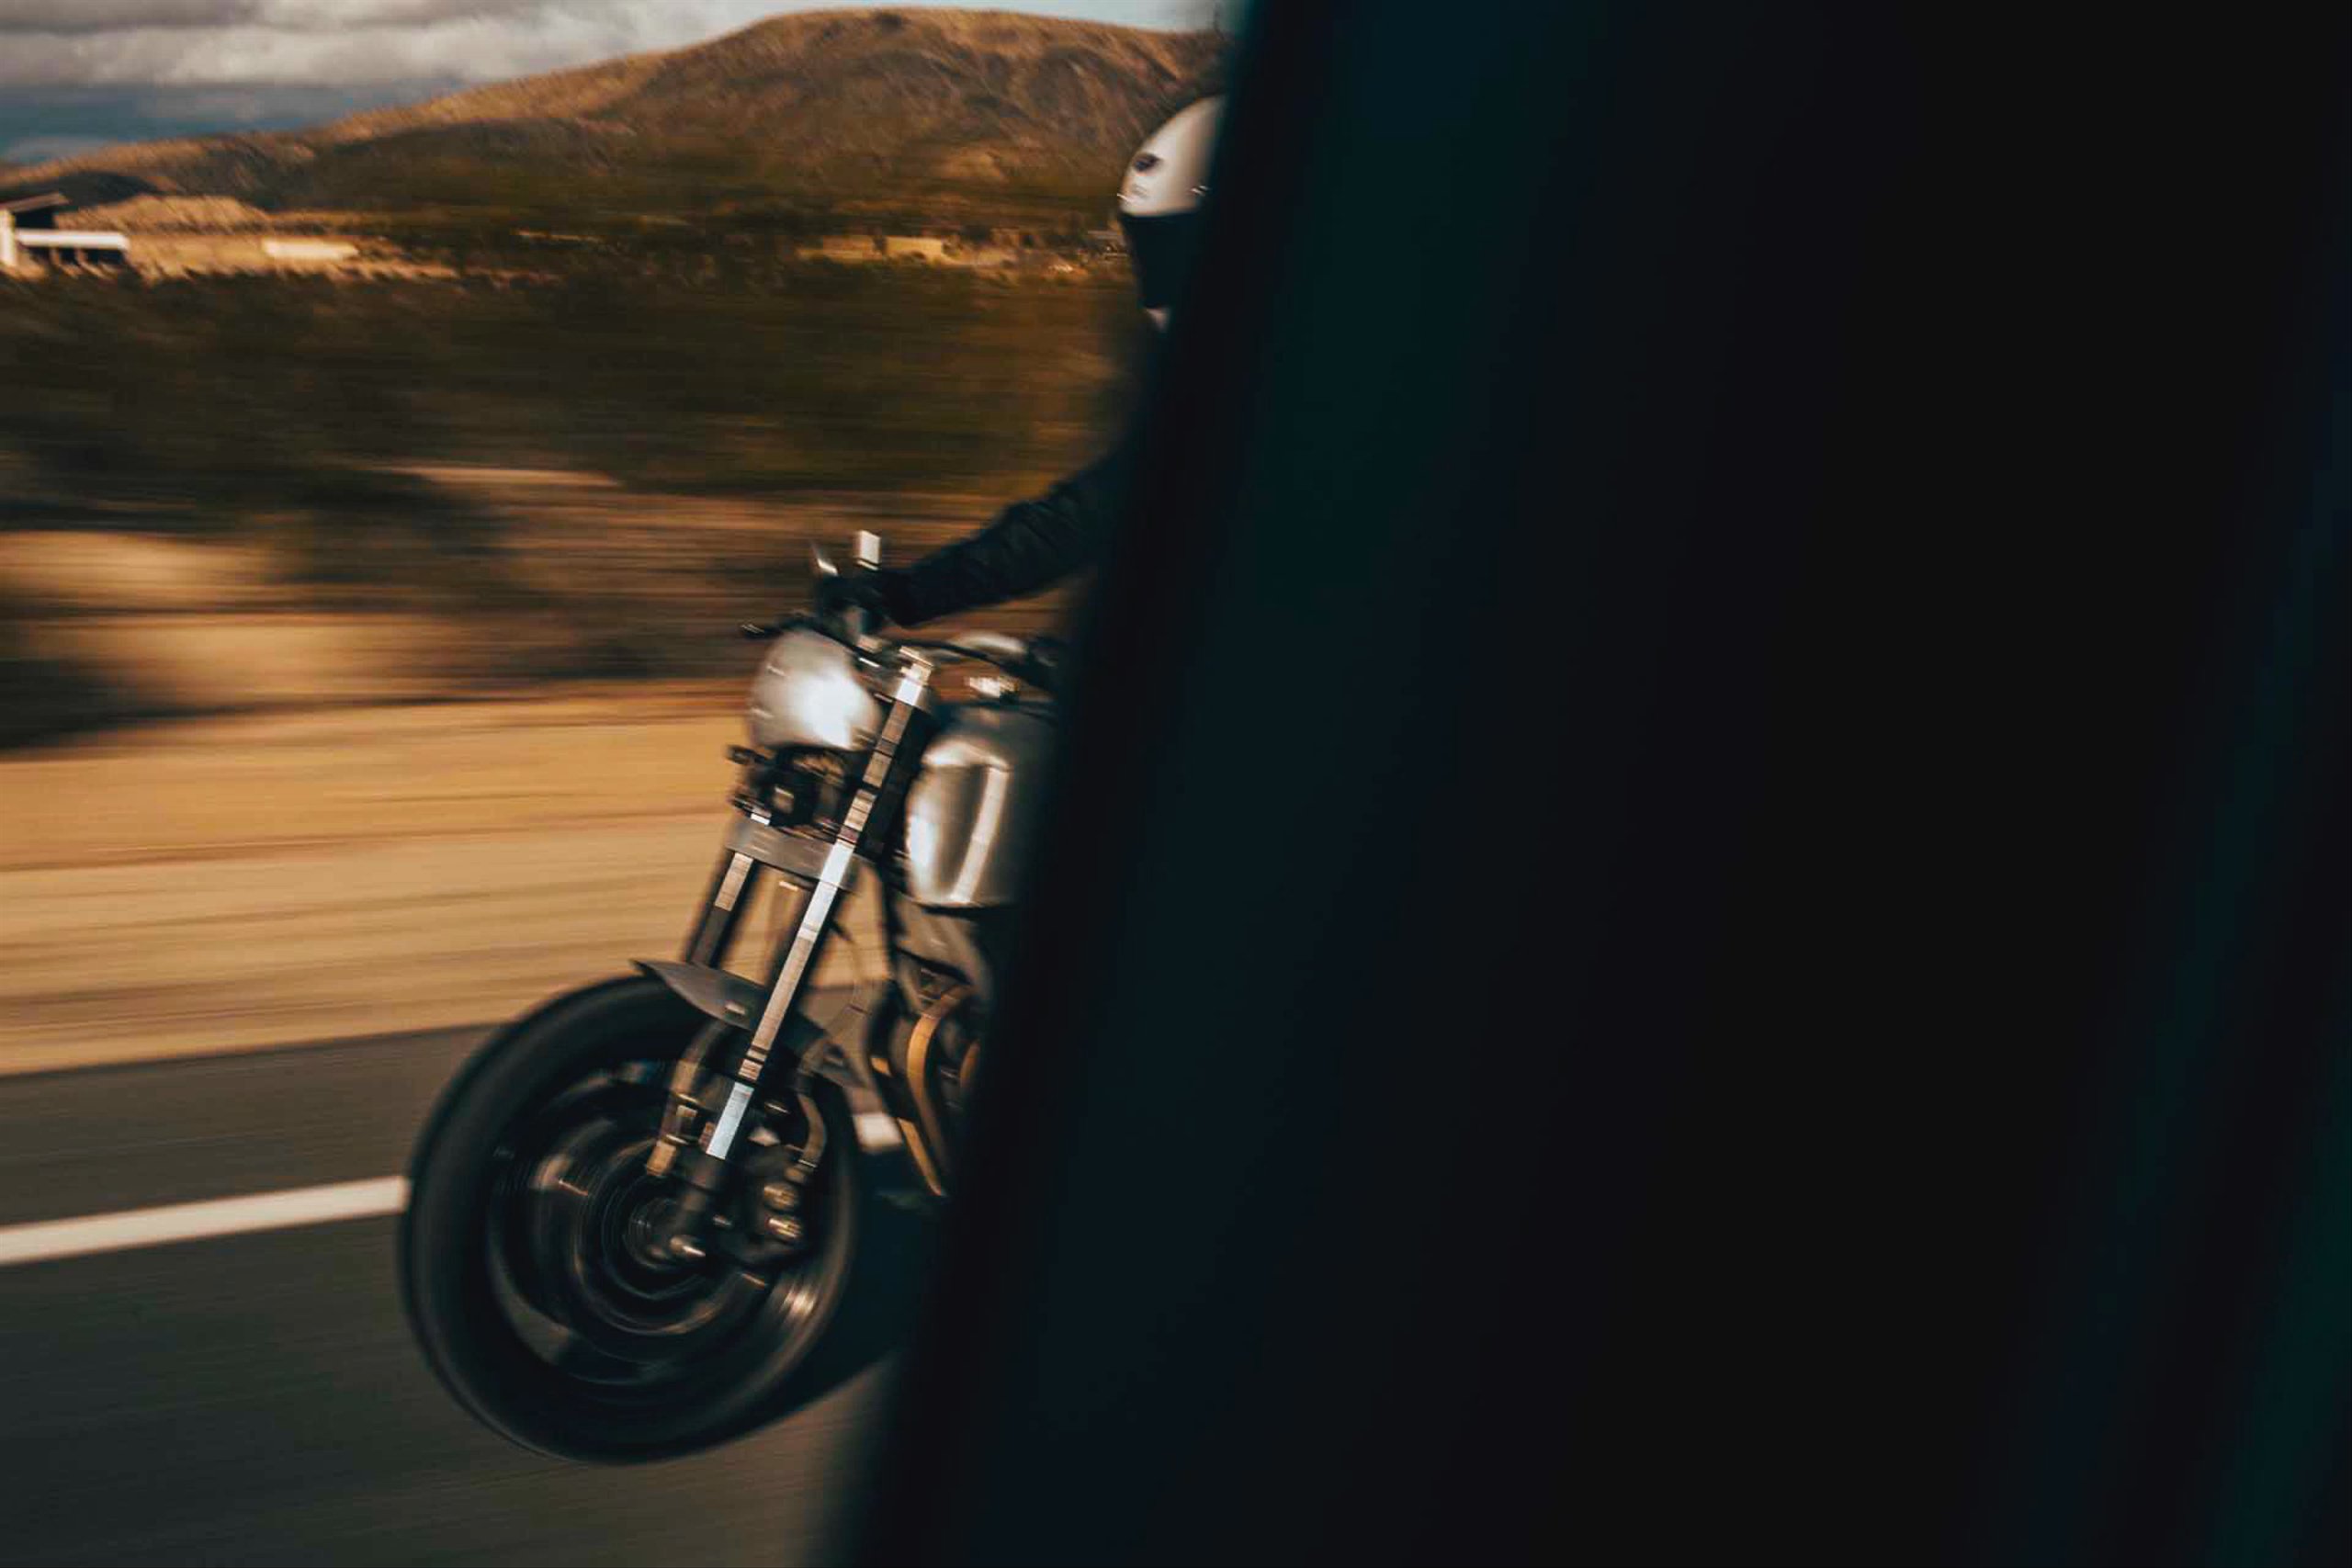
(248, 491)
(145, 215)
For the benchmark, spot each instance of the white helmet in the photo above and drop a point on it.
(1160, 202)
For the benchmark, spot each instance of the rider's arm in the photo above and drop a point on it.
(1031, 545)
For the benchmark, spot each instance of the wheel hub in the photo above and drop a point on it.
(597, 1229)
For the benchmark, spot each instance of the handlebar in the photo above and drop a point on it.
(1032, 660)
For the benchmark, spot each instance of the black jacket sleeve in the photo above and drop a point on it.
(1030, 545)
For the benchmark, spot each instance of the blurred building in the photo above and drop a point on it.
(30, 238)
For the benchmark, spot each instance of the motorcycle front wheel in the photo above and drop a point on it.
(530, 1262)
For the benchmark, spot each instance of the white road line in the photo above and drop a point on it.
(190, 1222)
(45, 1239)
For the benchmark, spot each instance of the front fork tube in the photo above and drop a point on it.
(721, 913)
(722, 907)
(704, 1173)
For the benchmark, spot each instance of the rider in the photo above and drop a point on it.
(1034, 543)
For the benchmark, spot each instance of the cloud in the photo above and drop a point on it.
(321, 41)
(77, 16)
(56, 43)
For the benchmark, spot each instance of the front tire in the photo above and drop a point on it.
(522, 1262)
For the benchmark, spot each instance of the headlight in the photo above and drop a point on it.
(809, 693)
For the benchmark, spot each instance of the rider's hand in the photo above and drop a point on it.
(879, 593)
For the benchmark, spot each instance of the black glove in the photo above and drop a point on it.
(882, 594)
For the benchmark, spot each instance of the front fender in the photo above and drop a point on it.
(727, 997)
(737, 1002)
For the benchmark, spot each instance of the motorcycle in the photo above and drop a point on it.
(638, 1213)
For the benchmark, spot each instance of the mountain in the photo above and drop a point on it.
(947, 114)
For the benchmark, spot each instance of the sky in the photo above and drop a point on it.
(81, 73)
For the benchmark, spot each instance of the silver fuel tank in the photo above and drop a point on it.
(972, 811)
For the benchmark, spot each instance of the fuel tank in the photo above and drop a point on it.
(971, 813)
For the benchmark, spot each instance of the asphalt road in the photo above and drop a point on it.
(254, 1398)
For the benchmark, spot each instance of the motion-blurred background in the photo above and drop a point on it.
(403, 479)
(386, 460)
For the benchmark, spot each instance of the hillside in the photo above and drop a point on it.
(947, 114)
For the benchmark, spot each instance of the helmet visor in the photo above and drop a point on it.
(1160, 248)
